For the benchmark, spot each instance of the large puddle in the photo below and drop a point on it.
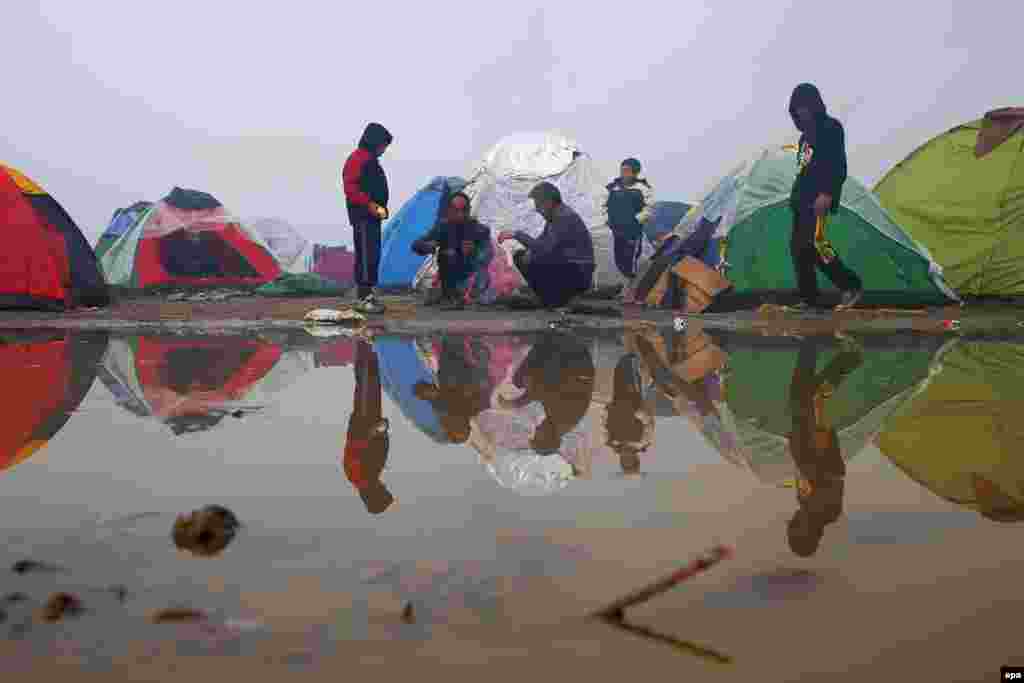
(388, 489)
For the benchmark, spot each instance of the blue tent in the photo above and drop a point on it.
(398, 263)
(400, 370)
(664, 218)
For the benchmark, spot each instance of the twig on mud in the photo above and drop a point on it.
(615, 610)
(685, 645)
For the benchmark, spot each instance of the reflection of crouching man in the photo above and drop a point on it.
(366, 448)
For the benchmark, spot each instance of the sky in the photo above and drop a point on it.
(110, 102)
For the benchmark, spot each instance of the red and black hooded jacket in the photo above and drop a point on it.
(363, 177)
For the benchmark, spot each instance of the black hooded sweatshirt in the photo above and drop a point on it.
(822, 156)
(363, 178)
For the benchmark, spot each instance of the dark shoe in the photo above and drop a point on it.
(453, 304)
(850, 298)
(434, 297)
(369, 305)
(800, 307)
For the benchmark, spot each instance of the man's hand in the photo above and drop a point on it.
(505, 235)
(467, 248)
(822, 204)
(377, 210)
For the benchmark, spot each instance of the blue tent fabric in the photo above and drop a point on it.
(123, 219)
(401, 369)
(398, 263)
(664, 218)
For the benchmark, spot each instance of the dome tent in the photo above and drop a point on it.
(47, 262)
(187, 239)
(962, 194)
(752, 203)
(501, 182)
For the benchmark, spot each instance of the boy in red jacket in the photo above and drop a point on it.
(366, 197)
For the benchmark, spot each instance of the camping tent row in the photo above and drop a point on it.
(189, 239)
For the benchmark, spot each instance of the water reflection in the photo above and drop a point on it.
(367, 441)
(192, 383)
(46, 376)
(962, 436)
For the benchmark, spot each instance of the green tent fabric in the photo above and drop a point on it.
(302, 284)
(962, 437)
(968, 210)
(757, 410)
(752, 202)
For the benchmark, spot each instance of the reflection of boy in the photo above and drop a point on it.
(626, 417)
(814, 445)
(366, 446)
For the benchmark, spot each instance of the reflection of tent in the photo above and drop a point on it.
(295, 254)
(962, 195)
(46, 261)
(187, 239)
(752, 202)
(965, 427)
(192, 383)
(757, 388)
(47, 376)
(502, 181)
(398, 262)
(400, 370)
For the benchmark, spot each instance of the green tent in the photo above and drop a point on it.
(756, 405)
(962, 437)
(752, 202)
(962, 194)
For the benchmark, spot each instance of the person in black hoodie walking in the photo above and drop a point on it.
(821, 172)
(366, 197)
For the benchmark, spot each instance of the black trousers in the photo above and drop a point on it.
(627, 253)
(555, 284)
(806, 259)
(366, 235)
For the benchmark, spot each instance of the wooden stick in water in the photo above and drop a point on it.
(615, 610)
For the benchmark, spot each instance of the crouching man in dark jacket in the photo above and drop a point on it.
(464, 249)
(558, 265)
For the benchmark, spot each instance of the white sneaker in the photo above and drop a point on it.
(369, 305)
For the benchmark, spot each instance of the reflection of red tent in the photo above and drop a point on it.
(46, 375)
(190, 383)
(337, 354)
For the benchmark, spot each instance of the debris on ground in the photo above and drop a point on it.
(408, 615)
(331, 316)
(12, 598)
(617, 609)
(177, 615)
(32, 566)
(60, 605)
(207, 295)
(205, 532)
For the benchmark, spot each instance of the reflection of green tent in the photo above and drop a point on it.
(962, 437)
(962, 195)
(757, 389)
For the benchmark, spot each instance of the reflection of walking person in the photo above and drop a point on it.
(627, 419)
(366, 448)
(821, 172)
(814, 444)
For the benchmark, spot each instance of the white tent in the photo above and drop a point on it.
(500, 184)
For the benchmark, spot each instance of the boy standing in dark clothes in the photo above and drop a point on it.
(559, 265)
(629, 204)
(463, 248)
(814, 443)
(366, 197)
(815, 195)
(366, 447)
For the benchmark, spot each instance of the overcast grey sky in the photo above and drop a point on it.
(110, 102)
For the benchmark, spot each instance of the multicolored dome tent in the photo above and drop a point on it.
(185, 239)
(961, 436)
(47, 375)
(962, 194)
(752, 202)
(46, 262)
